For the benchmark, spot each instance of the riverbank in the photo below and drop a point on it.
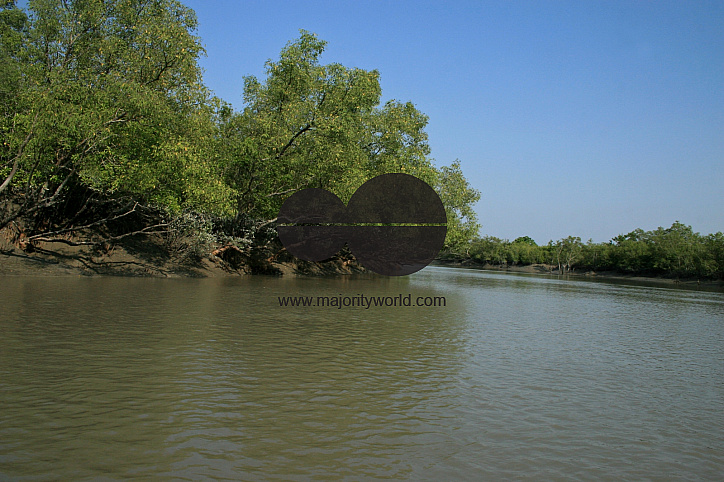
(551, 270)
(147, 256)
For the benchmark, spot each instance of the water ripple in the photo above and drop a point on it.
(516, 378)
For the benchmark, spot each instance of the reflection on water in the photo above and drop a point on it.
(517, 376)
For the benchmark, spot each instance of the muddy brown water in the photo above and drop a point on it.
(516, 377)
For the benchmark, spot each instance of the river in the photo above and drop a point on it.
(515, 377)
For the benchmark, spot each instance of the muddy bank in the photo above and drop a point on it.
(148, 257)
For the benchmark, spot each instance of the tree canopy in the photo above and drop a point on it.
(313, 125)
(673, 251)
(104, 100)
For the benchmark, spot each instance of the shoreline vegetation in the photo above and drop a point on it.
(152, 256)
(111, 142)
(552, 272)
(117, 159)
(676, 253)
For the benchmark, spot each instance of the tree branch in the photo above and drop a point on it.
(291, 141)
(16, 162)
(78, 228)
(146, 230)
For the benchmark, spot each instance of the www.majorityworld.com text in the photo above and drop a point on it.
(362, 301)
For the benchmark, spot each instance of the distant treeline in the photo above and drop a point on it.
(674, 252)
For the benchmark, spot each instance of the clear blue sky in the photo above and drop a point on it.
(571, 118)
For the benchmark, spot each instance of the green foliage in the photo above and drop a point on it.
(108, 97)
(458, 197)
(302, 127)
(490, 250)
(103, 99)
(597, 256)
(714, 255)
(313, 125)
(190, 235)
(567, 252)
(526, 240)
(674, 251)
